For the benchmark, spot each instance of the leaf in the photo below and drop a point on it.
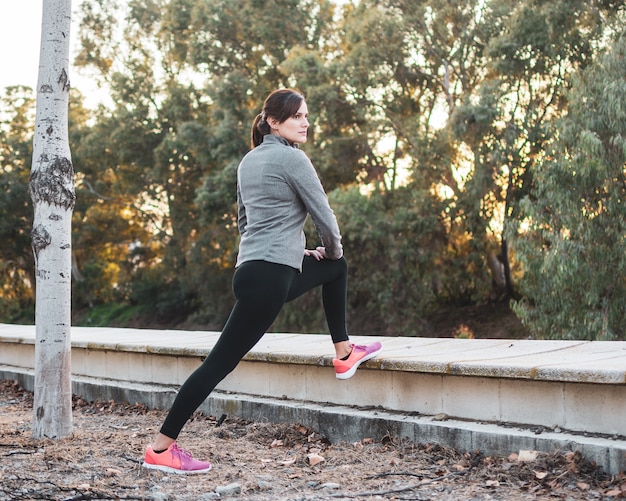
(313, 437)
(315, 458)
(276, 443)
(540, 475)
(525, 456)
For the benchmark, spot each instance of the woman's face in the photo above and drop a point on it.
(294, 129)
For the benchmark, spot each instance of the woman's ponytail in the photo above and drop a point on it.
(260, 128)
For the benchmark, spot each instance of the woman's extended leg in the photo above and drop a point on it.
(261, 290)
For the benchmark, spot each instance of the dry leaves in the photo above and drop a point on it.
(268, 462)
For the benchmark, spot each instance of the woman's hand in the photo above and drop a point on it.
(318, 253)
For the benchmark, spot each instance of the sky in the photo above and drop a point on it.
(20, 36)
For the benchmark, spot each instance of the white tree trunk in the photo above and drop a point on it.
(52, 193)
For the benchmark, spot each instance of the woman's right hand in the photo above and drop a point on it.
(318, 253)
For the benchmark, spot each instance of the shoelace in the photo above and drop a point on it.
(182, 452)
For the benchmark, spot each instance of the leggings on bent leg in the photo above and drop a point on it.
(261, 289)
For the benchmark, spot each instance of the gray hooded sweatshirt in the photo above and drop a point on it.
(277, 186)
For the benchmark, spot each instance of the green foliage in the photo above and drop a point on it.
(432, 128)
(16, 260)
(109, 314)
(574, 252)
(390, 241)
(167, 303)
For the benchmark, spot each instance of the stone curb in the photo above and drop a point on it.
(351, 424)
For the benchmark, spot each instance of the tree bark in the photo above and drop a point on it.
(52, 193)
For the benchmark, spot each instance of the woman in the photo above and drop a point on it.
(277, 187)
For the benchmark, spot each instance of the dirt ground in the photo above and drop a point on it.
(264, 461)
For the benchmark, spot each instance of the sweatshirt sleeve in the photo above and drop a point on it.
(304, 180)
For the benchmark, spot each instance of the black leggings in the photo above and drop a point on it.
(261, 289)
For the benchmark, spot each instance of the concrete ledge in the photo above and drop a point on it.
(573, 385)
(602, 362)
(351, 424)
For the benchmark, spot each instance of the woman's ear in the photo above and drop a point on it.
(272, 122)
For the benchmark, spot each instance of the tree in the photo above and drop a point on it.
(17, 276)
(410, 66)
(52, 193)
(571, 237)
(187, 77)
(532, 49)
(428, 119)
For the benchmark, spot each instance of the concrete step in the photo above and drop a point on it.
(429, 386)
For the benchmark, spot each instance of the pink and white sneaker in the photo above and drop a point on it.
(345, 369)
(174, 460)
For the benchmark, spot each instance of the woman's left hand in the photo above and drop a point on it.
(318, 253)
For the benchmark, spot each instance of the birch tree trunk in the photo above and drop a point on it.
(52, 193)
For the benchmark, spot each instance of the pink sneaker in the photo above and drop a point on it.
(174, 460)
(345, 369)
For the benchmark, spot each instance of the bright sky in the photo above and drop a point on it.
(20, 35)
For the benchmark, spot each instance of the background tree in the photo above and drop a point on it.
(571, 240)
(178, 144)
(438, 110)
(52, 193)
(506, 122)
(17, 277)
(408, 66)
(429, 119)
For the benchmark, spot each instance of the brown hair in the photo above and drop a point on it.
(280, 105)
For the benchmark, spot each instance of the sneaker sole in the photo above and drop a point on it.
(350, 372)
(169, 469)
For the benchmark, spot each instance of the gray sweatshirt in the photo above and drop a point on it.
(277, 186)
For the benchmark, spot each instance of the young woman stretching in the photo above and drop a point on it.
(277, 187)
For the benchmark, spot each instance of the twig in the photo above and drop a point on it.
(99, 495)
(89, 494)
(130, 458)
(15, 453)
(398, 473)
(220, 420)
(41, 482)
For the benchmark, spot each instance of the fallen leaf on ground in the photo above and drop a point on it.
(315, 458)
(527, 456)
